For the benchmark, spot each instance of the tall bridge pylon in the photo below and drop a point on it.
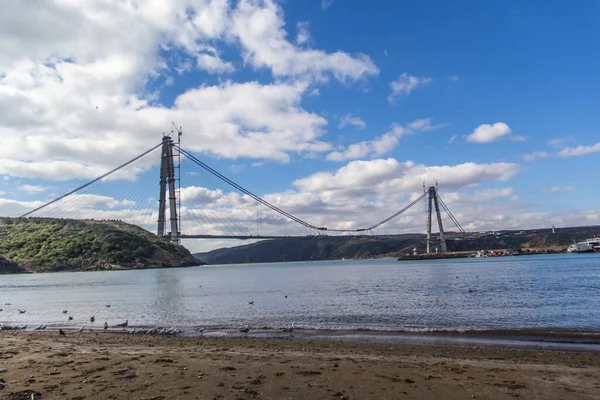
(433, 198)
(167, 180)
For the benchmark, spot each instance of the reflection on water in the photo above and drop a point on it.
(560, 291)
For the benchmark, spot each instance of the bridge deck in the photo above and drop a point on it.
(250, 237)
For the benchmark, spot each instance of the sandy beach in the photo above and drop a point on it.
(115, 366)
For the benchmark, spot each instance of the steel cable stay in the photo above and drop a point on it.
(236, 206)
(247, 192)
(231, 216)
(93, 181)
(391, 217)
(282, 212)
(454, 220)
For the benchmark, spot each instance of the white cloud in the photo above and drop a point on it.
(325, 4)
(579, 150)
(384, 174)
(487, 133)
(382, 144)
(214, 64)
(556, 142)
(350, 120)
(405, 84)
(258, 25)
(32, 189)
(558, 189)
(565, 152)
(452, 138)
(536, 155)
(73, 106)
(517, 138)
(303, 36)
(486, 195)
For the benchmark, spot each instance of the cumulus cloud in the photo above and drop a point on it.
(535, 155)
(487, 133)
(579, 150)
(258, 25)
(382, 144)
(350, 120)
(405, 84)
(32, 189)
(303, 36)
(384, 174)
(73, 106)
(214, 64)
(576, 151)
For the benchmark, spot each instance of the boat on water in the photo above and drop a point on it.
(588, 246)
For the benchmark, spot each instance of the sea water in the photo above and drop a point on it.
(540, 292)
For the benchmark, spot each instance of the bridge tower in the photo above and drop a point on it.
(167, 180)
(433, 201)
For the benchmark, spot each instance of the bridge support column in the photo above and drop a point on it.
(439, 219)
(429, 207)
(434, 202)
(167, 180)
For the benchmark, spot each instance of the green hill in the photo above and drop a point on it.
(50, 244)
(335, 248)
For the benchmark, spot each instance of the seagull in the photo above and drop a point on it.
(41, 327)
(124, 324)
(290, 329)
(22, 311)
(61, 332)
(65, 311)
(201, 330)
(245, 329)
(107, 305)
(92, 318)
(251, 302)
(70, 318)
(81, 329)
(105, 325)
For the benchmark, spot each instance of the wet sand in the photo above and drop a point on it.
(114, 366)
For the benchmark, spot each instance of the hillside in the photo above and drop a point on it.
(49, 244)
(335, 248)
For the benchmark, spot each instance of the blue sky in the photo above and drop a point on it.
(328, 109)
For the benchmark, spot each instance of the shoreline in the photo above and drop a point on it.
(101, 366)
(525, 338)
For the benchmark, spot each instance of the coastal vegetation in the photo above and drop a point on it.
(52, 244)
(336, 248)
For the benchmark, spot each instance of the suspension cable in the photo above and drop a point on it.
(93, 181)
(458, 225)
(391, 217)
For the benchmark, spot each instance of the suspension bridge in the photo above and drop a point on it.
(211, 205)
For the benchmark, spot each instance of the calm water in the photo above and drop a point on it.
(494, 293)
